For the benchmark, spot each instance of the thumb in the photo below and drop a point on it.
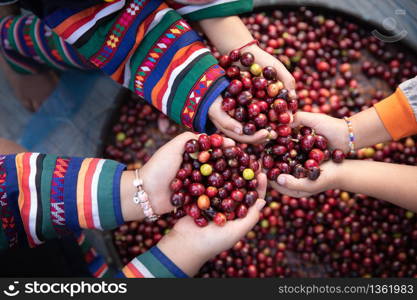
(292, 183)
(262, 185)
(238, 228)
(228, 123)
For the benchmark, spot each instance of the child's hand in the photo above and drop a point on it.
(335, 130)
(161, 169)
(189, 246)
(330, 178)
(233, 128)
(265, 59)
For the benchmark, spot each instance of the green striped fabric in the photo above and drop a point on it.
(149, 40)
(105, 195)
(47, 173)
(97, 39)
(187, 84)
(154, 266)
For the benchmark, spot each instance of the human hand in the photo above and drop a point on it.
(265, 59)
(162, 168)
(190, 246)
(335, 130)
(330, 178)
(233, 129)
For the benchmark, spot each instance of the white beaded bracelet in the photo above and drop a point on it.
(141, 197)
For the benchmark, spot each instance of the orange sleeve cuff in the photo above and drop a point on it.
(397, 115)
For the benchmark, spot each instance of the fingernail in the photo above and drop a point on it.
(237, 130)
(281, 180)
(260, 203)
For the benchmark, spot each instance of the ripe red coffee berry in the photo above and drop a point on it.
(228, 104)
(234, 55)
(247, 59)
(280, 106)
(235, 87)
(191, 146)
(241, 211)
(204, 142)
(284, 130)
(201, 222)
(216, 140)
(338, 156)
(219, 219)
(317, 155)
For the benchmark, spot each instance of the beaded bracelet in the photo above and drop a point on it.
(351, 136)
(141, 197)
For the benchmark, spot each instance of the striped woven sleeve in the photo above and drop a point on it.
(152, 264)
(29, 46)
(149, 48)
(398, 112)
(45, 196)
(200, 10)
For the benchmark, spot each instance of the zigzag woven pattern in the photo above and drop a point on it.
(160, 47)
(197, 92)
(57, 195)
(117, 33)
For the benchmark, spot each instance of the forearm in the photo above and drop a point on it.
(390, 182)
(226, 34)
(369, 129)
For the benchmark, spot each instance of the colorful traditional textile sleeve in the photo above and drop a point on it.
(152, 264)
(149, 48)
(45, 196)
(213, 9)
(29, 45)
(398, 112)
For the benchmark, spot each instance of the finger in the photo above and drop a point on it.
(305, 119)
(226, 122)
(284, 191)
(285, 76)
(228, 142)
(238, 228)
(272, 135)
(292, 183)
(262, 184)
(259, 137)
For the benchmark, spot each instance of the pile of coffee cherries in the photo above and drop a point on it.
(214, 183)
(299, 154)
(252, 94)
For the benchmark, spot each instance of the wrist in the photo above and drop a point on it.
(130, 211)
(182, 252)
(344, 136)
(342, 175)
